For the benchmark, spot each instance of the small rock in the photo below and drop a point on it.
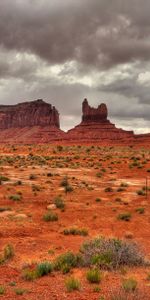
(51, 206)
(128, 235)
(21, 216)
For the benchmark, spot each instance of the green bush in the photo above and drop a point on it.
(41, 269)
(64, 182)
(94, 276)
(108, 190)
(4, 178)
(66, 261)
(76, 231)
(8, 252)
(2, 290)
(141, 193)
(50, 217)
(124, 217)
(20, 291)
(59, 202)
(30, 274)
(68, 188)
(72, 284)
(44, 268)
(140, 210)
(129, 285)
(15, 197)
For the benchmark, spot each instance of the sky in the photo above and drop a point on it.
(63, 51)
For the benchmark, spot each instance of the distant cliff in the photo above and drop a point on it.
(28, 114)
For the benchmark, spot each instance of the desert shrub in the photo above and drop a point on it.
(72, 284)
(141, 193)
(8, 251)
(99, 174)
(4, 178)
(96, 289)
(94, 276)
(98, 199)
(121, 294)
(29, 274)
(2, 209)
(2, 290)
(124, 184)
(50, 217)
(110, 253)
(129, 285)
(15, 197)
(120, 189)
(20, 291)
(76, 231)
(64, 181)
(124, 217)
(32, 177)
(68, 188)
(59, 148)
(19, 182)
(66, 261)
(59, 202)
(140, 210)
(108, 190)
(40, 270)
(118, 200)
(44, 268)
(36, 188)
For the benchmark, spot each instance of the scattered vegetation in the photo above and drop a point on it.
(50, 217)
(76, 231)
(110, 253)
(94, 276)
(72, 284)
(124, 217)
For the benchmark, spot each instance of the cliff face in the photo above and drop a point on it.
(28, 114)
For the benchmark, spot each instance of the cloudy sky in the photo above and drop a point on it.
(66, 50)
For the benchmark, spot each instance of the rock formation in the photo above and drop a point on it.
(29, 122)
(91, 114)
(96, 127)
(28, 114)
(38, 122)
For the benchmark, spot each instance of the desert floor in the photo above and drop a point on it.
(105, 182)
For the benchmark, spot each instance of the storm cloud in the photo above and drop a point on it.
(65, 50)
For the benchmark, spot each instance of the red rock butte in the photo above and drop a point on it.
(28, 114)
(38, 122)
(29, 122)
(96, 126)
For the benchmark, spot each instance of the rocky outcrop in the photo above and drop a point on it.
(91, 114)
(95, 126)
(38, 122)
(28, 114)
(29, 122)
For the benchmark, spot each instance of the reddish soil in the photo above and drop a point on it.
(35, 240)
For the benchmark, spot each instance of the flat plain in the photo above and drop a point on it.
(55, 198)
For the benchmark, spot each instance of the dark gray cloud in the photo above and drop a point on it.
(98, 32)
(65, 50)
